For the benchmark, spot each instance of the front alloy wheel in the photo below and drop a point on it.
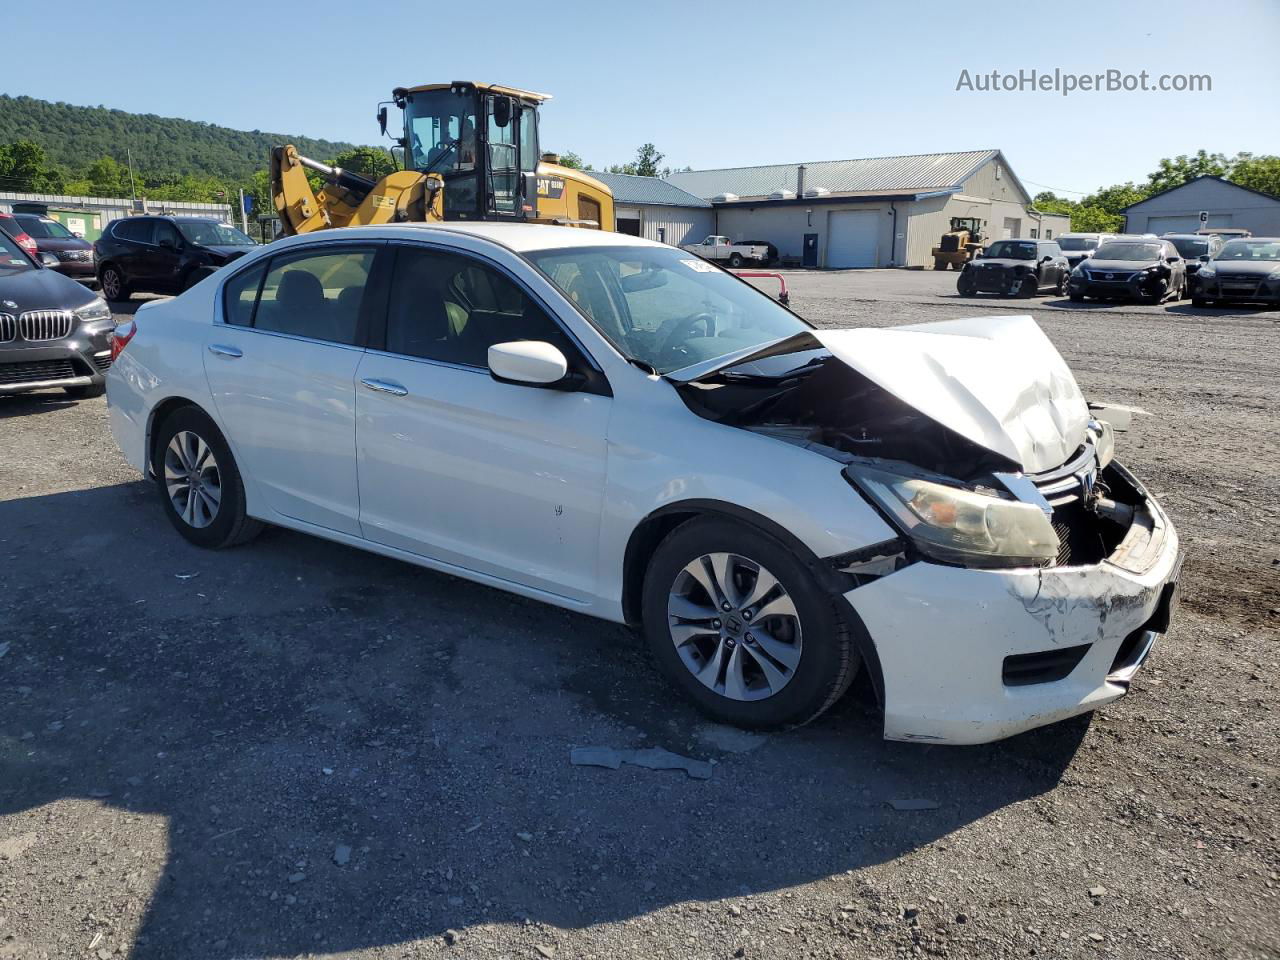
(734, 626)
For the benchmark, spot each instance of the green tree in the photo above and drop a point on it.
(1115, 198)
(1179, 170)
(1257, 173)
(572, 161)
(647, 160)
(25, 168)
(107, 178)
(371, 162)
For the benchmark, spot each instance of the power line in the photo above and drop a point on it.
(1082, 193)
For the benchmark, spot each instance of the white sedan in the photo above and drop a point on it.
(617, 427)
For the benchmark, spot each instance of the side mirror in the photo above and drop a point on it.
(1046, 259)
(49, 260)
(77, 234)
(382, 119)
(502, 111)
(1203, 258)
(1174, 259)
(533, 363)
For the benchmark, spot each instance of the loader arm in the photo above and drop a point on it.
(348, 199)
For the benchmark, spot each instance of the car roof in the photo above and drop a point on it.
(520, 237)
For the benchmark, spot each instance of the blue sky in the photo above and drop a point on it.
(712, 84)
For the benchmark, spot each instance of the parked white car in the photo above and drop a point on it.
(724, 250)
(619, 428)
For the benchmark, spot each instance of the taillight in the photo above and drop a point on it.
(25, 241)
(120, 339)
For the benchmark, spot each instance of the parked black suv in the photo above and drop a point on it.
(53, 332)
(1016, 268)
(164, 254)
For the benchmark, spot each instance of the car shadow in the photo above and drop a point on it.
(31, 404)
(350, 752)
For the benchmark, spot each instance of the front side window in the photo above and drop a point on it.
(166, 235)
(316, 295)
(451, 308)
(664, 307)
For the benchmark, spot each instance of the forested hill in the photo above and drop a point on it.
(74, 137)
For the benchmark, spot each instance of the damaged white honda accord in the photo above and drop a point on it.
(619, 428)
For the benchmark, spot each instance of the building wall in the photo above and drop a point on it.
(679, 224)
(785, 225)
(1228, 206)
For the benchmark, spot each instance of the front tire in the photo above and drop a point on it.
(736, 620)
(1029, 288)
(1199, 302)
(114, 288)
(85, 393)
(199, 483)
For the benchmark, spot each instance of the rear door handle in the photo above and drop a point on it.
(385, 386)
(222, 350)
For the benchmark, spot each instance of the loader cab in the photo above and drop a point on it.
(482, 140)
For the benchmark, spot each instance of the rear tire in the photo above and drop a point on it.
(778, 655)
(735, 260)
(190, 452)
(85, 393)
(1061, 288)
(114, 288)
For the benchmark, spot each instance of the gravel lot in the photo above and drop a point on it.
(298, 749)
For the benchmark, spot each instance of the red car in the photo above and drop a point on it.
(75, 254)
(9, 225)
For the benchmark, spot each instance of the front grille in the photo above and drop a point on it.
(1109, 276)
(37, 325)
(8, 327)
(1066, 484)
(36, 371)
(75, 256)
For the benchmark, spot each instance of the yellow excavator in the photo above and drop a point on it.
(470, 153)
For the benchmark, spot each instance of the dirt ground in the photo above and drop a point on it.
(298, 749)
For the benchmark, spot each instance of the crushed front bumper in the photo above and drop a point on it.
(970, 656)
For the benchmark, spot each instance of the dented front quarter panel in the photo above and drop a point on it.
(942, 634)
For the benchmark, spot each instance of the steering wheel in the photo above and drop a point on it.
(674, 332)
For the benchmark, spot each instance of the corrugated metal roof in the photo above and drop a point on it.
(650, 190)
(927, 171)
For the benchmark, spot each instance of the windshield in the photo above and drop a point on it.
(1250, 250)
(1012, 250)
(1190, 247)
(214, 234)
(664, 307)
(1078, 243)
(12, 259)
(441, 127)
(1129, 251)
(43, 229)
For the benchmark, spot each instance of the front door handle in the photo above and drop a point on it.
(222, 350)
(385, 386)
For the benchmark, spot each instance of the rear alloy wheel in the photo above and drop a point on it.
(113, 285)
(737, 621)
(735, 260)
(199, 483)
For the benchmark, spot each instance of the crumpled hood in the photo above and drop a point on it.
(997, 381)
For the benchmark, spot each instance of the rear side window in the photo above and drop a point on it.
(315, 295)
(140, 230)
(240, 295)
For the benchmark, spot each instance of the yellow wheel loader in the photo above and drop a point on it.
(470, 152)
(958, 246)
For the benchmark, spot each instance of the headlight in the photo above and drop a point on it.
(1078, 271)
(93, 311)
(1206, 270)
(1274, 274)
(960, 526)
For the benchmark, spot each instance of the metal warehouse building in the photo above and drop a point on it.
(88, 215)
(1228, 204)
(874, 212)
(656, 209)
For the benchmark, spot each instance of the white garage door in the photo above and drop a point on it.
(853, 237)
(1185, 224)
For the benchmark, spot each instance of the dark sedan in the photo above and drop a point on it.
(75, 254)
(1245, 271)
(53, 332)
(1140, 269)
(153, 254)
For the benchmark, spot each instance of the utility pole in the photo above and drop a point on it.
(133, 187)
(244, 218)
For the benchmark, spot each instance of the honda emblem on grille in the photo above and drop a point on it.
(1086, 486)
(1111, 276)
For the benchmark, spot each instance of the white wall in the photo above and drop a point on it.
(679, 224)
(1227, 205)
